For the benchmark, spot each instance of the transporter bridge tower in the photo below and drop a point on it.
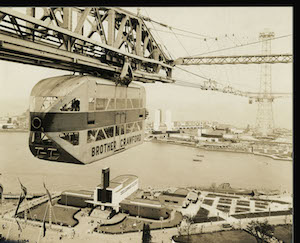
(264, 119)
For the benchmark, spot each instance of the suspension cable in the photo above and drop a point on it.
(252, 43)
(159, 36)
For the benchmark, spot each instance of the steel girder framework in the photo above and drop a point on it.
(240, 59)
(271, 96)
(265, 118)
(253, 96)
(100, 41)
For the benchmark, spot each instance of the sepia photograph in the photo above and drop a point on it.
(147, 124)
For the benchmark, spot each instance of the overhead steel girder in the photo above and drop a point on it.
(240, 59)
(100, 41)
(270, 97)
(214, 86)
(23, 51)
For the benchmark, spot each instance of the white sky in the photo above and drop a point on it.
(231, 26)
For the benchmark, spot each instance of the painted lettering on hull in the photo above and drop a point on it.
(130, 140)
(112, 146)
(103, 148)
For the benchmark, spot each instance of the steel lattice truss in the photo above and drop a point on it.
(240, 59)
(100, 41)
(271, 96)
(253, 96)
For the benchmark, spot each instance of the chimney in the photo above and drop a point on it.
(105, 183)
(105, 177)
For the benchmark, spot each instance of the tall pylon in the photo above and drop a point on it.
(264, 119)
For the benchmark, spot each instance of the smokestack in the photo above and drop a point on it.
(105, 183)
(105, 177)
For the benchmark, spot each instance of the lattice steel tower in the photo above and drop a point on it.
(264, 119)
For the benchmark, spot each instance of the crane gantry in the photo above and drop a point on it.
(105, 41)
(235, 59)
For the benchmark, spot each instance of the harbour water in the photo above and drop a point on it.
(157, 166)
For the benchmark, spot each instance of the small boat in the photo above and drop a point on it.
(197, 160)
(200, 155)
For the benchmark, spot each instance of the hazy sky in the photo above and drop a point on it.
(222, 27)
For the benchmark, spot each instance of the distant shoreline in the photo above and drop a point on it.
(13, 130)
(273, 156)
(189, 144)
(174, 142)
